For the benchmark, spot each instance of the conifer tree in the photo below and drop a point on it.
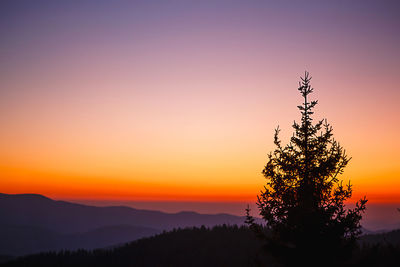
(303, 202)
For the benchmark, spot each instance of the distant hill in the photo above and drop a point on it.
(32, 223)
(220, 246)
(392, 238)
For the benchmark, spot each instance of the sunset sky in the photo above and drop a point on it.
(178, 100)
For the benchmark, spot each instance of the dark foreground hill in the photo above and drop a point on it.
(31, 223)
(219, 246)
(22, 240)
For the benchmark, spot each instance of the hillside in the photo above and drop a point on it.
(33, 223)
(219, 246)
(22, 240)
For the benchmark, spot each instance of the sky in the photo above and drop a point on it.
(177, 101)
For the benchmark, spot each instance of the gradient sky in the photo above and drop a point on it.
(178, 100)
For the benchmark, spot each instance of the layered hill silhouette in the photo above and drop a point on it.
(33, 223)
(68, 234)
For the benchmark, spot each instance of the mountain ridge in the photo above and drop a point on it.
(32, 223)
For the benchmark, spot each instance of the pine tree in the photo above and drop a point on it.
(303, 202)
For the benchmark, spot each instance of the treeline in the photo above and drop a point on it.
(218, 246)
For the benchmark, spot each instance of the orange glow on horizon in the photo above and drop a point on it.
(144, 101)
(97, 188)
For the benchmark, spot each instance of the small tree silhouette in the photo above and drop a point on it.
(303, 201)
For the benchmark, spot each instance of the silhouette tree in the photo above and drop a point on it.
(303, 200)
